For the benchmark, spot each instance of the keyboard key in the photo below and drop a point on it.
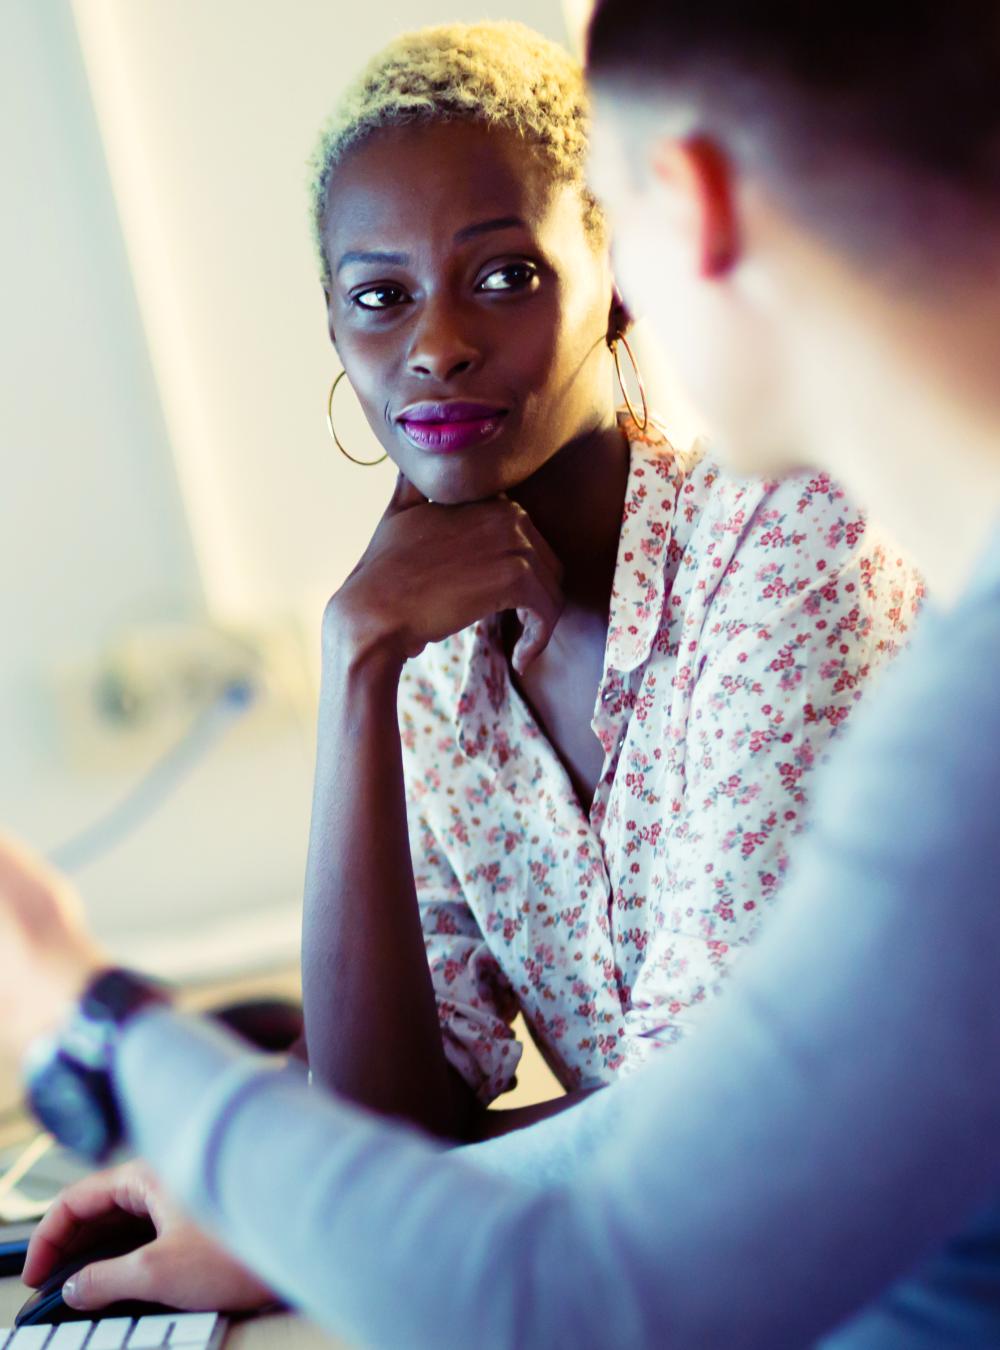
(192, 1329)
(150, 1332)
(110, 1333)
(69, 1336)
(29, 1338)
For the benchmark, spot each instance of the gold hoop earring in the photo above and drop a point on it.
(638, 379)
(365, 463)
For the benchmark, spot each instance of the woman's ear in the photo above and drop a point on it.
(619, 317)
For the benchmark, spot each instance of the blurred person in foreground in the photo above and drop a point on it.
(819, 199)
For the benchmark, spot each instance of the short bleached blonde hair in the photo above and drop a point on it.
(501, 74)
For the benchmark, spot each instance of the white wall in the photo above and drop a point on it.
(163, 371)
(209, 112)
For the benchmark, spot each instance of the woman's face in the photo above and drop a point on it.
(468, 304)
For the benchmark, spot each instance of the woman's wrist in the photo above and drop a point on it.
(357, 648)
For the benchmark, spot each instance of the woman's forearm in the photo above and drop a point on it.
(371, 1019)
(493, 1124)
(428, 572)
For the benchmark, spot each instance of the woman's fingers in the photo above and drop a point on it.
(535, 634)
(541, 604)
(538, 603)
(541, 545)
(431, 570)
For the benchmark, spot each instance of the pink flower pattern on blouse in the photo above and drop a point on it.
(746, 620)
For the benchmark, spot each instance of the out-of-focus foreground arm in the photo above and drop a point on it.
(837, 1115)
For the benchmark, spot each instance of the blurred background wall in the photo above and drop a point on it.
(165, 466)
(172, 515)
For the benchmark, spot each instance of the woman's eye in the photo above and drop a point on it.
(379, 297)
(517, 276)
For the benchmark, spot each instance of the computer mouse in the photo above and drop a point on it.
(12, 1254)
(46, 1304)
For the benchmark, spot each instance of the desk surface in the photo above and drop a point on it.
(278, 1332)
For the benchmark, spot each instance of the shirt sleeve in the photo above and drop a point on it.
(836, 1117)
(475, 1002)
(813, 605)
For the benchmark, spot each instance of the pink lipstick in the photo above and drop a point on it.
(444, 427)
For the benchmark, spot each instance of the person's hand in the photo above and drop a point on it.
(181, 1266)
(432, 570)
(46, 956)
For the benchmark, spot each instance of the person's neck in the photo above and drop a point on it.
(909, 421)
(575, 500)
(936, 489)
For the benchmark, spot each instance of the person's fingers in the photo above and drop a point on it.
(538, 610)
(540, 544)
(510, 532)
(137, 1275)
(404, 496)
(82, 1213)
(185, 1269)
(541, 597)
(536, 632)
(36, 891)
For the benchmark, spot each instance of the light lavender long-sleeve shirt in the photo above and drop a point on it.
(835, 1118)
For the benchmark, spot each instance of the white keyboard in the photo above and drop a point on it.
(186, 1331)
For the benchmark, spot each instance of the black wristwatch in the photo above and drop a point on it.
(68, 1076)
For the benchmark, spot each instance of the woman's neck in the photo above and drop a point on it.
(575, 500)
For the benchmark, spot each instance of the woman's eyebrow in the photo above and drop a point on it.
(401, 259)
(488, 226)
(361, 256)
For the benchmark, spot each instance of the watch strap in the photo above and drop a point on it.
(111, 999)
(70, 1082)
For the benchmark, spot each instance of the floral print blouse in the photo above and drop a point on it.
(746, 621)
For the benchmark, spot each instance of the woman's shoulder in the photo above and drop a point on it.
(809, 525)
(754, 545)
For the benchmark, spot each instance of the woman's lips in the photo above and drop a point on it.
(442, 428)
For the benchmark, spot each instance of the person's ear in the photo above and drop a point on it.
(619, 317)
(697, 173)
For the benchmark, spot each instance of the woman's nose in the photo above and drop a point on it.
(440, 349)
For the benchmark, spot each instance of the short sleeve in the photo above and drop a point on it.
(476, 1004)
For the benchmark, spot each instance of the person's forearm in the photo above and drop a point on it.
(496, 1123)
(835, 1117)
(370, 1014)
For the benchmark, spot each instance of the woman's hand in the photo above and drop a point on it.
(432, 570)
(181, 1266)
(46, 956)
